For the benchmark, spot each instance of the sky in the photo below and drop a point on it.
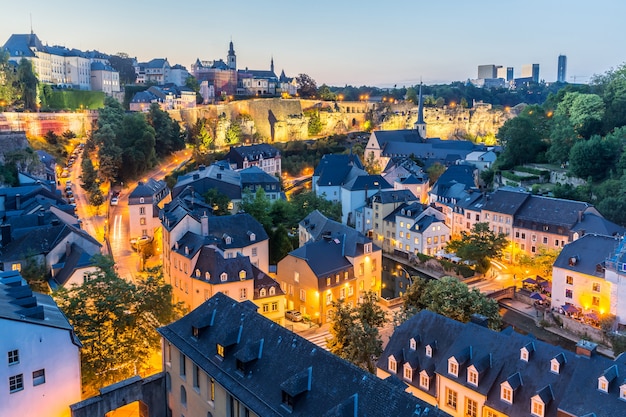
(373, 43)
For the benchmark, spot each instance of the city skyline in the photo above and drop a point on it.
(338, 44)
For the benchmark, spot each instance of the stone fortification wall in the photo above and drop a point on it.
(38, 124)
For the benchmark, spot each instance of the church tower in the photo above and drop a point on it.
(420, 125)
(232, 58)
(272, 65)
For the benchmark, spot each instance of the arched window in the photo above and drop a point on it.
(207, 275)
(272, 291)
(262, 292)
(224, 277)
(242, 274)
(198, 273)
(141, 200)
(183, 396)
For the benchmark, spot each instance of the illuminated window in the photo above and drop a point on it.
(506, 394)
(374, 265)
(242, 274)
(350, 290)
(296, 276)
(472, 377)
(220, 350)
(569, 280)
(16, 266)
(212, 390)
(536, 408)
(451, 398)
(603, 384)
(595, 301)
(596, 287)
(408, 372)
(342, 293)
(345, 275)
(328, 282)
(142, 221)
(471, 408)
(329, 298)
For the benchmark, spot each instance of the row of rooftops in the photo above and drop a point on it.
(275, 372)
(485, 361)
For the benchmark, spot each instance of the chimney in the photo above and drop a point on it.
(5, 234)
(479, 319)
(68, 249)
(586, 348)
(18, 202)
(204, 224)
(40, 218)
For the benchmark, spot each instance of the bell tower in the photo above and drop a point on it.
(232, 58)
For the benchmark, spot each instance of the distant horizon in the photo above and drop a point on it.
(372, 44)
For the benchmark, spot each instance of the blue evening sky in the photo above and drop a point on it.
(341, 42)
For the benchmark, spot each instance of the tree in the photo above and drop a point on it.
(27, 83)
(315, 124)
(451, 298)
(522, 139)
(96, 198)
(124, 65)
(325, 93)
(280, 244)
(258, 206)
(116, 321)
(478, 245)
(594, 157)
(354, 332)
(88, 176)
(307, 87)
(219, 201)
(411, 95)
(434, 172)
(542, 261)
(34, 272)
(372, 164)
(234, 133)
(168, 137)
(8, 93)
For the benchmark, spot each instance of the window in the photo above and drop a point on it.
(408, 372)
(424, 380)
(361, 269)
(302, 295)
(342, 293)
(224, 277)
(622, 392)
(183, 396)
(220, 350)
(392, 365)
(16, 383)
(595, 301)
(417, 241)
(39, 377)
(296, 276)
(533, 249)
(471, 408)
(596, 287)
(243, 293)
(254, 253)
(329, 298)
(545, 240)
(506, 394)
(350, 290)
(451, 398)
(568, 293)
(196, 377)
(272, 291)
(429, 351)
(523, 354)
(16, 266)
(142, 221)
(262, 292)
(603, 384)
(472, 377)
(266, 307)
(412, 344)
(554, 366)
(453, 367)
(523, 235)
(401, 234)
(328, 282)
(429, 241)
(275, 306)
(14, 357)
(181, 364)
(536, 408)
(569, 280)
(345, 275)
(373, 265)
(142, 211)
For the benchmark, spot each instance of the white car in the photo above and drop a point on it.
(114, 201)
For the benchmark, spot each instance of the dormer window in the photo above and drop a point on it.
(262, 292)
(176, 245)
(453, 367)
(424, 380)
(272, 291)
(207, 275)
(506, 393)
(412, 344)
(186, 250)
(367, 248)
(556, 363)
(622, 392)
(220, 350)
(195, 332)
(392, 365)
(228, 240)
(141, 200)
(242, 275)
(472, 376)
(287, 400)
(429, 351)
(252, 236)
(408, 372)
(537, 408)
(197, 273)
(523, 354)
(603, 384)
(224, 277)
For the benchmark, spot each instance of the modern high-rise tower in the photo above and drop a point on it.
(531, 71)
(562, 69)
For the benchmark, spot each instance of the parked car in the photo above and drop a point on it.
(114, 201)
(293, 315)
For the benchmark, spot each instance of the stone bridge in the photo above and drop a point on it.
(505, 293)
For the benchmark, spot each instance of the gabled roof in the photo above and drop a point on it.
(256, 176)
(77, 259)
(334, 170)
(394, 196)
(593, 223)
(318, 382)
(550, 211)
(585, 254)
(253, 152)
(148, 190)
(325, 256)
(19, 45)
(212, 260)
(505, 202)
(367, 182)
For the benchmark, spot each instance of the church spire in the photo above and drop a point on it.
(272, 64)
(420, 125)
(232, 58)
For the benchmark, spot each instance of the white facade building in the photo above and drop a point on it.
(40, 367)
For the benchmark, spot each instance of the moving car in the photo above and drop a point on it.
(293, 315)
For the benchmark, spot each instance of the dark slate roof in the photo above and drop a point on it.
(585, 254)
(325, 256)
(256, 176)
(251, 152)
(496, 355)
(264, 281)
(157, 63)
(505, 202)
(149, 190)
(238, 227)
(144, 97)
(99, 66)
(186, 203)
(394, 196)
(212, 260)
(337, 169)
(19, 303)
(593, 223)
(320, 383)
(422, 224)
(367, 182)
(461, 174)
(260, 74)
(20, 44)
(218, 176)
(402, 136)
(549, 211)
(412, 179)
(77, 259)
(319, 226)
